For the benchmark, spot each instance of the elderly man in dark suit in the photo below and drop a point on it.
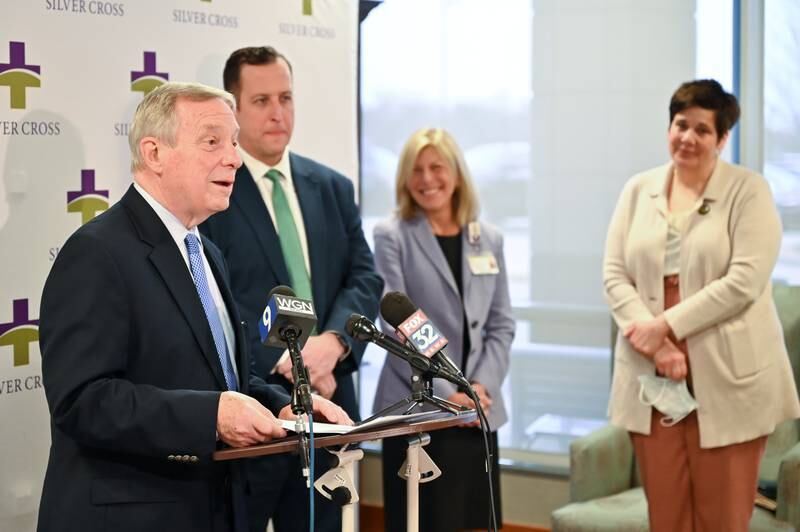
(144, 358)
(292, 221)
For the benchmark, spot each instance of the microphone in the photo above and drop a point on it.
(414, 326)
(363, 330)
(286, 322)
(285, 312)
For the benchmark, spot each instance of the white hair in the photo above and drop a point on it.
(156, 117)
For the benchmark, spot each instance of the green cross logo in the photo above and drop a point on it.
(87, 201)
(148, 78)
(17, 75)
(19, 332)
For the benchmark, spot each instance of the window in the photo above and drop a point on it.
(555, 104)
(782, 126)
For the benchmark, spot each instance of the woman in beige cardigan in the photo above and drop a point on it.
(690, 252)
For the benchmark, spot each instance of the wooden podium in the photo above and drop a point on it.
(289, 444)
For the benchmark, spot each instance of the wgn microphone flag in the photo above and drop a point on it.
(284, 311)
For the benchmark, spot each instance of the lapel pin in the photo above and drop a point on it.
(474, 232)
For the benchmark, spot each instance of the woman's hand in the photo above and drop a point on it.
(671, 362)
(648, 336)
(462, 399)
(483, 396)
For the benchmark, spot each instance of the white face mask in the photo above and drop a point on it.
(671, 398)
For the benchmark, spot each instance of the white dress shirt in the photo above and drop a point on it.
(259, 170)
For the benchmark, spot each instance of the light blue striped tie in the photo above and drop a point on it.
(200, 282)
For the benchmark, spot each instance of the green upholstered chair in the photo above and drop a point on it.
(605, 491)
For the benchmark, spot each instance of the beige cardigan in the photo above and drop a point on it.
(740, 369)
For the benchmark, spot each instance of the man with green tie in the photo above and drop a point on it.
(292, 221)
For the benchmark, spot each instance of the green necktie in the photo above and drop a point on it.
(290, 240)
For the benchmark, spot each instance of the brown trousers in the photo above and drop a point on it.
(690, 489)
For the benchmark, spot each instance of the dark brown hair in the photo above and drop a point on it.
(707, 94)
(251, 55)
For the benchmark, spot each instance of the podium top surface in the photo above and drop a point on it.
(289, 444)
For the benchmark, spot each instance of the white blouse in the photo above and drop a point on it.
(676, 226)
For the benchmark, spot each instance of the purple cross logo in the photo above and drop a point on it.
(148, 78)
(88, 201)
(18, 76)
(20, 332)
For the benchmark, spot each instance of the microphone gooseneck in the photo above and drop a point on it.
(284, 322)
(364, 330)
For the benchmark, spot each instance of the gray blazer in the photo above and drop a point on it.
(409, 259)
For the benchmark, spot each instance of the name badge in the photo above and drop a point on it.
(483, 264)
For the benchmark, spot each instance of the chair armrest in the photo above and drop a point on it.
(789, 487)
(601, 464)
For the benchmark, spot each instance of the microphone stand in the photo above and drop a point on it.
(418, 467)
(421, 394)
(423, 370)
(301, 396)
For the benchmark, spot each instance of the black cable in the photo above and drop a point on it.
(485, 431)
(311, 474)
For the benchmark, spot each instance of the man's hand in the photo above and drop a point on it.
(285, 369)
(648, 336)
(460, 398)
(328, 411)
(320, 355)
(671, 362)
(325, 386)
(243, 421)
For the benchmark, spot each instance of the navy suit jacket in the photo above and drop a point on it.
(343, 277)
(132, 380)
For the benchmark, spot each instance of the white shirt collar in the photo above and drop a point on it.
(259, 169)
(176, 229)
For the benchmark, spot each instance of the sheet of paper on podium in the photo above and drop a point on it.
(331, 428)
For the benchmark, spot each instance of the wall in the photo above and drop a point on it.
(71, 75)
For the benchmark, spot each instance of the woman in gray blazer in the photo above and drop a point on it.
(689, 256)
(452, 267)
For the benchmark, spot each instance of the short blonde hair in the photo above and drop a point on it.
(465, 201)
(156, 116)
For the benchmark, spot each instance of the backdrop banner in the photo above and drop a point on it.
(71, 75)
